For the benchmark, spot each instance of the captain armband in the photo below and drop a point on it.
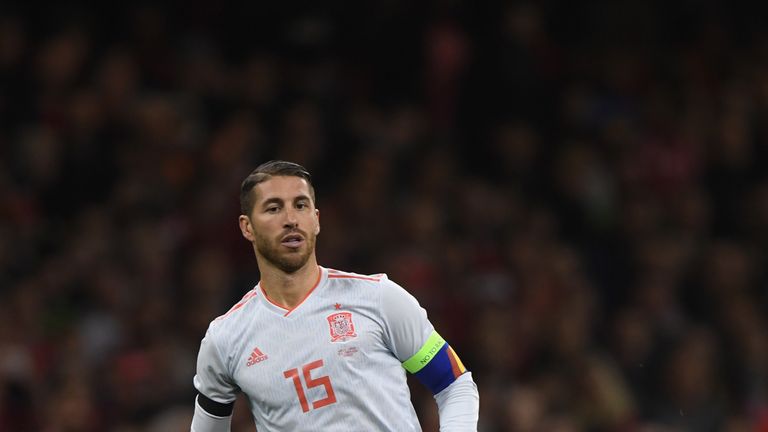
(436, 365)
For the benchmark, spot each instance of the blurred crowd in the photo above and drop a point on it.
(574, 192)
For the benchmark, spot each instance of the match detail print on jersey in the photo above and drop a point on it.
(436, 365)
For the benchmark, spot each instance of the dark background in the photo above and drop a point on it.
(576, 193)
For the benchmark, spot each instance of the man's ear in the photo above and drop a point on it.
(317, 215)
(246, 228)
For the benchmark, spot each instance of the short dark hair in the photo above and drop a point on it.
(264, 172)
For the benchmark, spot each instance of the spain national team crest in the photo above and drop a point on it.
(341, 326)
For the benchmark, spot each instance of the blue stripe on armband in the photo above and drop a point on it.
(441, 371)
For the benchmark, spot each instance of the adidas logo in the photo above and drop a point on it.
(256, 356)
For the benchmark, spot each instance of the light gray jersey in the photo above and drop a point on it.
(331, 363)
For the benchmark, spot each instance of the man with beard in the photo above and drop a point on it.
(314, 348)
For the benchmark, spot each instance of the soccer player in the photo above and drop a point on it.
(319, 349)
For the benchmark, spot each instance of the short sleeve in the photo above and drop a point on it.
(414, 341)
(406, 322)
(212, 378)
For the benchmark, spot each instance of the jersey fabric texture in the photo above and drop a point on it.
(337, 361)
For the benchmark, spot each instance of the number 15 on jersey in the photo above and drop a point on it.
(309, 382)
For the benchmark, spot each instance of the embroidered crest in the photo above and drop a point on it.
(341, 326)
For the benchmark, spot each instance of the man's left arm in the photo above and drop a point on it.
(431, 359)
(438, 367)
(459, 404)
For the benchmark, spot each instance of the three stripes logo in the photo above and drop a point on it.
(256, 356)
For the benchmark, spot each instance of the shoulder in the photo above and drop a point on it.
(372, 286)
(345, 277)
(379, 283)
(233, 315)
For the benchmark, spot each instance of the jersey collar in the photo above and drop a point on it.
(280, 310)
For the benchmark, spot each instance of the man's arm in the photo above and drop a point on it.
(438, 367)
(458, 405)
(205, 421)
(428, 356)
(216, 391)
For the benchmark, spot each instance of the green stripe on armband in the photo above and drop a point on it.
(426, 353)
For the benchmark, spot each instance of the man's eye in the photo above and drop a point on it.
(272, 209)
(301, 205)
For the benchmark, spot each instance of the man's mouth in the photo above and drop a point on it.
(292, 241)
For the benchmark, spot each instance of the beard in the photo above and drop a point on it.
(288, 261)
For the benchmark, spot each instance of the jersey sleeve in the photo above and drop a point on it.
(212, 379)
(414, 341)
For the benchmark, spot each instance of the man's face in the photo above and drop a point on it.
(283, 223)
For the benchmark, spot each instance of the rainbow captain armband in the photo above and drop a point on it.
(436, 365)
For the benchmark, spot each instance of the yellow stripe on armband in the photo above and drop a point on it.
(425, 354)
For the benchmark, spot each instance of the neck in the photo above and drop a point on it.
(289, 289)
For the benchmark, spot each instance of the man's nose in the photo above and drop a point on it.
(290, 219)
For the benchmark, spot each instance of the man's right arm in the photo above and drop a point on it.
(216, 391)
(204, 419)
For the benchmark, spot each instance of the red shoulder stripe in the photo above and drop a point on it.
(348, 276)
(249, 295)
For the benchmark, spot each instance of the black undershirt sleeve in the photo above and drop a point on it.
(212, 407)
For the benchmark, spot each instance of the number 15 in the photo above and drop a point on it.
(324, 381)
